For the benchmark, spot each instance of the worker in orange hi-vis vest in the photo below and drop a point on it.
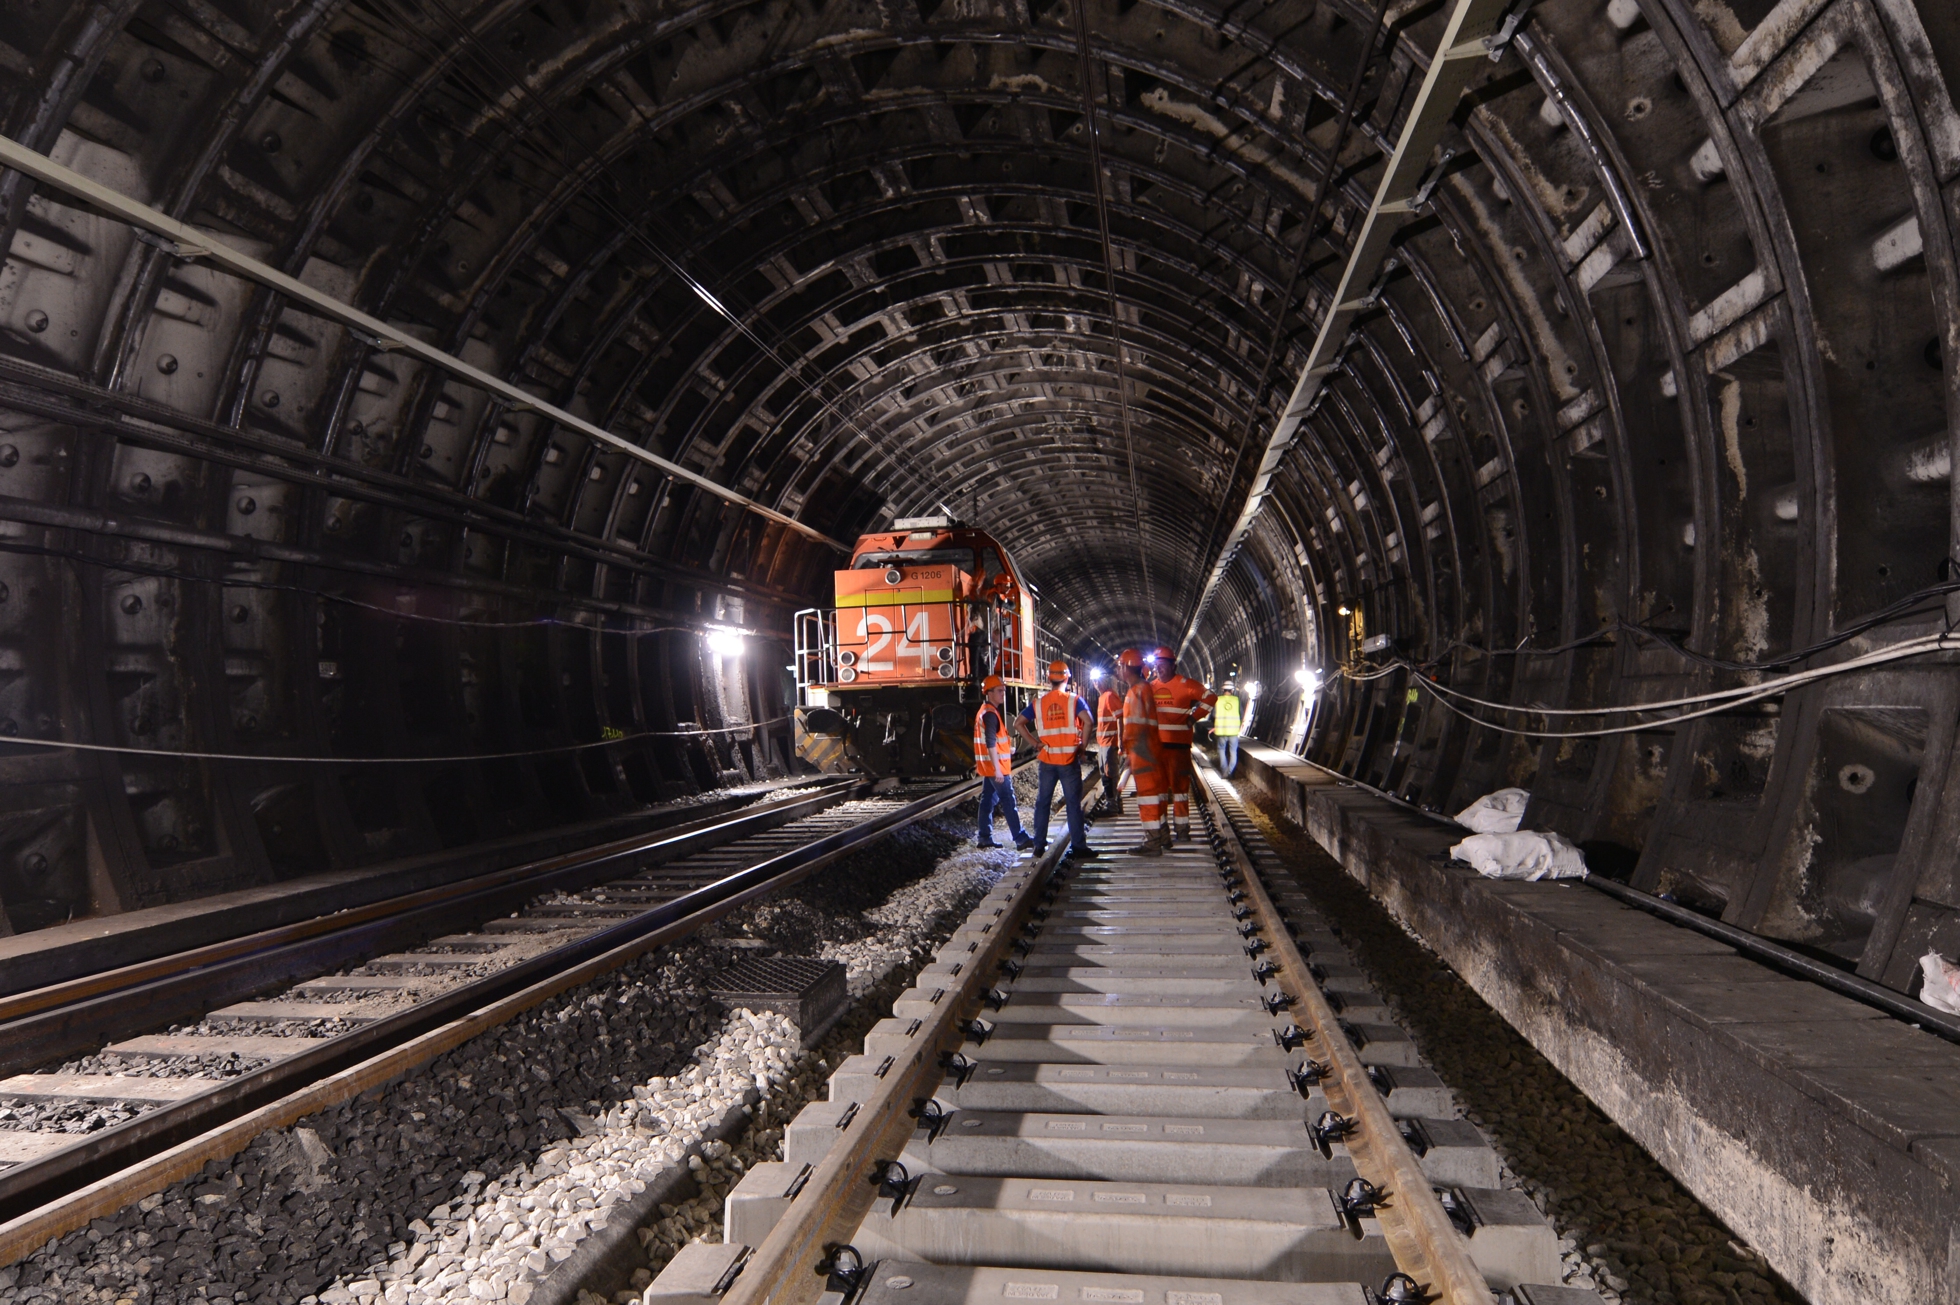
(1059, 724)
(993, 762)
(1181, 703)
(1143, 750)
(1109, 747)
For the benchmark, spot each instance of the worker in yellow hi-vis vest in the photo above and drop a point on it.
(1226, 714)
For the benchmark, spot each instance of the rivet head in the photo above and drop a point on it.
(131, 604)
(166, 363)
(9, 455)
(246, 505)
(898, 1282)
(37, 321)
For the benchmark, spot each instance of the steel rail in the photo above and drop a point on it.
(1418, 1231)
(1753, 945)
(789, 1268)
(188, 242)
(41, 1024)
(27, 1232)
(29, 1190)
(1464, 45)
(1757, 948)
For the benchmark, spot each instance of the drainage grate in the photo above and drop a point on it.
(810, 992)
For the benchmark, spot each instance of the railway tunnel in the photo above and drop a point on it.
(422, 421)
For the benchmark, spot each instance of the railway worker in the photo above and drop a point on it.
(993, 762)
(1109, 748)
(974, 633)
(1142, 749)
(1226, 717)
(1181, 703)
(1059, 725)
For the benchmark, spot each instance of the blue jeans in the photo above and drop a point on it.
(1228, 752)
(999, 792)
(1070, 778)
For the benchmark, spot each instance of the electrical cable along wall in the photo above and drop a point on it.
(1656, 407)
(602, 317)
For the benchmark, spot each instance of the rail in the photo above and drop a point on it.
(789, 1268)
(1414, 1224)
(1753, 945)
(51, 1197)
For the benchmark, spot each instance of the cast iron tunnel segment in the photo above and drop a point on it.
(1094, 1093)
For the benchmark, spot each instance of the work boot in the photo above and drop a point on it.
(1184, 833)
(1152, 844)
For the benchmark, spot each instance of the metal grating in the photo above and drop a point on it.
(811, 992)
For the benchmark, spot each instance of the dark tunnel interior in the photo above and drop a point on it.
(1649, 401)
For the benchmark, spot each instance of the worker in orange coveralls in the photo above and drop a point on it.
(1181, 703)
(1143, 750)
(1109, 747)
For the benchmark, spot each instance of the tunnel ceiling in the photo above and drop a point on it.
(1668, 345)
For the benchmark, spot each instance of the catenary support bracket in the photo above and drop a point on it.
(1466, 45)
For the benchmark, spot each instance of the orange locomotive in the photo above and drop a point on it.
(889, 678)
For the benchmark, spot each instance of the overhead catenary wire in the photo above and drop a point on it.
(308, 591)
(1706, 704)
(1910, 605)
(545, 116)
(188, 242)
(278, 759)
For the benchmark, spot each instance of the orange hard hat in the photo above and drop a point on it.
(1057, 672)
(991, 683)
(1164, 655)
(1130, 657)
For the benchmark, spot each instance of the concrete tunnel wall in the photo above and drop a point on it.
(1672, 347)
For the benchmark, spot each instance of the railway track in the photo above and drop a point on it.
(316, 1030)
(1139, 1083)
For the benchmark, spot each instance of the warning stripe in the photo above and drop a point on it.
(890, 598)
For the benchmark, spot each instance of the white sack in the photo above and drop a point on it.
(1941, 990)
(1495, 813)
(1528, 855)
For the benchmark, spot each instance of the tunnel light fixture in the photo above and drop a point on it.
(1308, 680)
(1095, 675)
(1252, 689)
(725, 643)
